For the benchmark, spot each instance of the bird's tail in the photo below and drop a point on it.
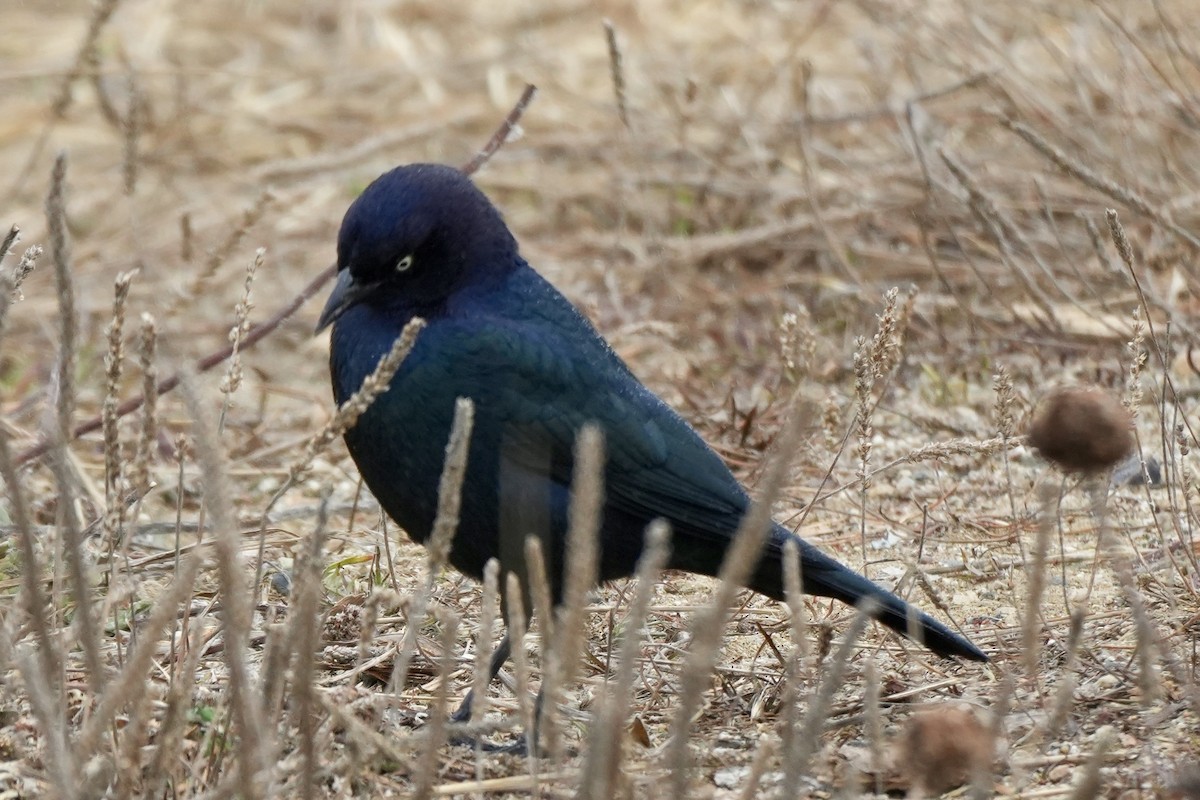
(823, 576)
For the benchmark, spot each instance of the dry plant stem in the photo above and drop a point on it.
(1125, 250)
(131, 128)
(1006, 427)
(1088, 786)
(799, 663)
(60, 759)
(435, 730)
(502, 133)
(599, 779)
(539, 590)
(1147, 637)
(139, 473)
(709, 624)
(1003, 231)
(616, 70)
(10, 239)
(488, 615)
(241, 313)
(1064, 698)
(806, 743)
(33, 599)
(175, 719)
(981, 783)
(383, 529)
(302, 646)
(445, 523)
(102, 12)
(85, 625)
(255, 334)
(130, 682)
(1106, 186)
(279, 643)
(758, 767)
(874, 725)
(863, 383)
(220, 255)
(369, 742)
(8, 648)
(114, 360)
(256, 755)
(793, 580)
(40, 667)
(583, 532)
(393, 140)
(301, 167)
(516, 630)
(1031, 627)
(20, 272)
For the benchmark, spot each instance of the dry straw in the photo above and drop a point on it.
(201, 279)
(709, 624)
(255, 757)
(600, 775)
(445, 524)
(583, 532)
(237, 334)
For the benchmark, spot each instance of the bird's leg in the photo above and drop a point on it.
(503, 651)
(463, 714)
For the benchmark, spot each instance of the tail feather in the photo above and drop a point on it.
(825, 577)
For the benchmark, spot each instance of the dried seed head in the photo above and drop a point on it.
(1082, 429)
(944, 748)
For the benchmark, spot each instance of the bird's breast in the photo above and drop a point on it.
(399, 443)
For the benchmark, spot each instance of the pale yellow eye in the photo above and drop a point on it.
(404, 264)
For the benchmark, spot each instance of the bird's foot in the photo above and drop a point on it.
(519, 747)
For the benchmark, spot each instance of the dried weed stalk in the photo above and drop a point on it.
(256, 755)
(143, 454)
(583, 532)
(709, 624)
(201, 279)
(86, 628)
(600, 775)
(1031, 625)
(445, 524)
(806, 743)
(114, 361)
(241, 326)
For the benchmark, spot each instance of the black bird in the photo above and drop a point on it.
(422, 240)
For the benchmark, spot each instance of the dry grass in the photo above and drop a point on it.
(730, 191)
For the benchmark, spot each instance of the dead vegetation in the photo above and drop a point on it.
(199, 600)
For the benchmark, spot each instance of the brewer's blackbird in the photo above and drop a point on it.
(422, 240)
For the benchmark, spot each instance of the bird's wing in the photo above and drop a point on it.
(540, 390)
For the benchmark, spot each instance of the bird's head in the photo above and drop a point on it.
(415, 236)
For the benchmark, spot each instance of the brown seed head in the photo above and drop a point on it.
(944, 748)
(1082, 429)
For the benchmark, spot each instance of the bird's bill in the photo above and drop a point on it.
(346, 293)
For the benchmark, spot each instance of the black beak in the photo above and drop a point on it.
(346, 294)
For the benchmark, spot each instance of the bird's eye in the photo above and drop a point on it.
(404, 264)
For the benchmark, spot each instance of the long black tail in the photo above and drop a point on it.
(823, 576)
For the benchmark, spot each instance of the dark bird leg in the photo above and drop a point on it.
(503, 651)
(463, 714)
